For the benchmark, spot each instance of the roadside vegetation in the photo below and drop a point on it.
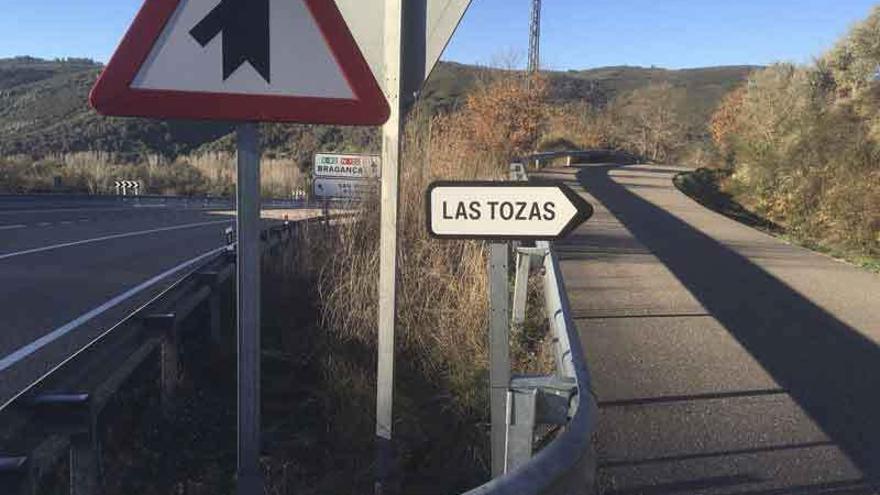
(794, 149)
(319, 339)
(800, 146)
(204, 174)
(443, 298)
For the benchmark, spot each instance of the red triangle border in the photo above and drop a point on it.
(112, 94)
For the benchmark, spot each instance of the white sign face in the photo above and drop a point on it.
(336, 188)
(431, 24)
(348, 166)
(504, 210)
(295, 42)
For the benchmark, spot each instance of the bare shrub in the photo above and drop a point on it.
(648, 121)
(575, 126)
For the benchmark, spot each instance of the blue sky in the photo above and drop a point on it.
(576, 33)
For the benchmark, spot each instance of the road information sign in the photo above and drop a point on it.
(244, 60)
(339, 188)
(348, 166)
(504, 210)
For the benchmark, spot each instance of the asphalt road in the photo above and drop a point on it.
(60, 259)
(724, 360)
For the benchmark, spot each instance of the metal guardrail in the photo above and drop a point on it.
(567, 465)
(589, 155)
(59, 413)
(154, 200)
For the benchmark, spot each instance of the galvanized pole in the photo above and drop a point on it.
(250, 480)
(388, 243)
(499, 352)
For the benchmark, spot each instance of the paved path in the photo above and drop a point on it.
(724, 360)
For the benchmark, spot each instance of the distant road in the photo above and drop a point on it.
(724, 360)
(62, 258)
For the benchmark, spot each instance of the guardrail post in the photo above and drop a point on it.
(71, 415)
(520, 428)
(169, 360)
(568, 161)
(499, 351)
(84, 464)
(521, 288)
(214, 305)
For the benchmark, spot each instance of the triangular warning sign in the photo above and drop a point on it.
(241, 60)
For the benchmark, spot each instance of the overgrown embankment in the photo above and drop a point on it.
(441, 406)
(708, 187)
(704, 186)
(319, 338)
(801, 146)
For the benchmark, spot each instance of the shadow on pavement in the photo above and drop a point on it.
(827, 367)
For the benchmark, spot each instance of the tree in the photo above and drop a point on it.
(649, 120)
(855, 60)
(724, 123)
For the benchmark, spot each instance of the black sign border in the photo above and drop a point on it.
(584, 209)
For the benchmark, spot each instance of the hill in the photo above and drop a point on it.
(43, 108)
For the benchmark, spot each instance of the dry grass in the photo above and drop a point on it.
(95, 173)
(280, 178)
(442, 285)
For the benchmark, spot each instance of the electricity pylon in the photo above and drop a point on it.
(535, 38)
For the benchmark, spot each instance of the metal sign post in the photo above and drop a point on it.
(499, 352)
(391, 133)
(250, 481)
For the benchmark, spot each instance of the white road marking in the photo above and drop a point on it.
(44, 224)
(11, 227)
(59, 210)
(67, 222)
(110, 237)
(25, 351)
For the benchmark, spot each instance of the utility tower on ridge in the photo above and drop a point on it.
(535, 38)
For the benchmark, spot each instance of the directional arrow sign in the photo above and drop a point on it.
(241, 60)
(504, 210)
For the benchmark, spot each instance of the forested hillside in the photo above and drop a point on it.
(44, 111)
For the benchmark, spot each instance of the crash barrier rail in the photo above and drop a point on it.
(593, 155)
(563, 401)
(59, 414)
(16, 201)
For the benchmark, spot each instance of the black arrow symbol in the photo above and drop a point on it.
(245, 28)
